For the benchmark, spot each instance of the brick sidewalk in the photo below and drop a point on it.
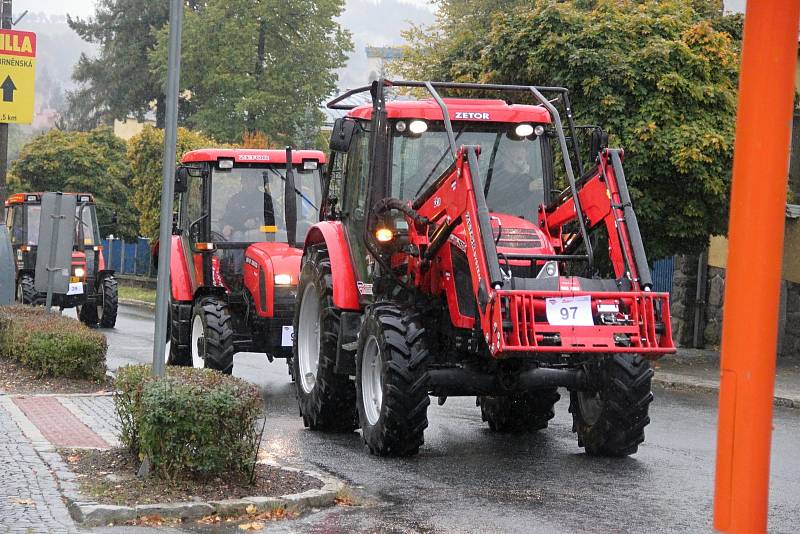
(29, 497)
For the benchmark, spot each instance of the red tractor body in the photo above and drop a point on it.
(456, 257)
(234, 264)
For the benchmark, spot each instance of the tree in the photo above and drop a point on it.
(81, 162)
(660, 76)
(265, 61)
(118, 82)
(145, 153)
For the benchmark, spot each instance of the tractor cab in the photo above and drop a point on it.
(241, 215)
(95, 294)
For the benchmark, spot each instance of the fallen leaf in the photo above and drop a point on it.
(251, 509)
(254, 525)
(73, 458)
(26, 502)
(210, 520)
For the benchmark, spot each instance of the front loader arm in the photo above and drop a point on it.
(604, 199)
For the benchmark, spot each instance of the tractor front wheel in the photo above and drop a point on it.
(26, 292)
(326, 399)
(107, 302)
(392, 380)
(610, 420)
(212, 336)
(526, 412)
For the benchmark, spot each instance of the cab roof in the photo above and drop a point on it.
(21, 198)
(459, 109)
(251, 155)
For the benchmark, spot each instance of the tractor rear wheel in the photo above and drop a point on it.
(526, 412)
(26, 292)
(326, 399)
(610, 421)
(392, 380)
(107, 303)
(212, 336)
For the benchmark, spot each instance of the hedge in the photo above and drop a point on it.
(195, 423)
(50, 344)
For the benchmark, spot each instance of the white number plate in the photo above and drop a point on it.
(75, 288)
(286, 336)
(570, 311)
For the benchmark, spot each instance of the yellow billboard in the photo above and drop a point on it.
(17, 74)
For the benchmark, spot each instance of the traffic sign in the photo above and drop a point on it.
(17, 68)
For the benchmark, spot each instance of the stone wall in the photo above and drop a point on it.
(682, 306)
(683, 296)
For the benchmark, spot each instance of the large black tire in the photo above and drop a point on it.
(179, 333)
(526, 412)
(395, 426)
(328, 401)
(26, 292)
(610, 421)
(215, 346)
(108, 302)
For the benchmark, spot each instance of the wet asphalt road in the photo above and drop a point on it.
(468, 479)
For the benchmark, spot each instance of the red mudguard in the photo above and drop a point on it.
(331, 233)
(181, 282)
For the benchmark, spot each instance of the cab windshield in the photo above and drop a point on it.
(248, 203)
(32, 214)
(511, 168)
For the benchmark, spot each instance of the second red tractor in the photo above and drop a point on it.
(235, 257)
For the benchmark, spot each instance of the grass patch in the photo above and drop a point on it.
(137, 293)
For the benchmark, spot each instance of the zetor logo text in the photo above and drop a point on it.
(472, 115)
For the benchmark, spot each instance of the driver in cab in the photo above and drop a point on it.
(248, 210)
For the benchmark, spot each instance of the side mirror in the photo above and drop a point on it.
(342, 134)
(181, 179)
(597, 142)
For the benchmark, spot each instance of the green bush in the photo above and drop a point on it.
(50, 344)
(190, 423)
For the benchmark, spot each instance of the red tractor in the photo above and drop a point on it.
(234, 261)
(455, 257)
(95, 294)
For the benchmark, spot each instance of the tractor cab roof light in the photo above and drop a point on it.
(539, 130)
(84, 198)
(310, 164)
(523, 130)
(225, 163)
(31, 198)
(418, 127)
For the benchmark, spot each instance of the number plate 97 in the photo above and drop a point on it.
(570, 311)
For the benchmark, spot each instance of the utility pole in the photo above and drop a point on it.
(5, 23)
(168, 186)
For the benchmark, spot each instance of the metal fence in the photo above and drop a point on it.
(662, 274)
(129, 258)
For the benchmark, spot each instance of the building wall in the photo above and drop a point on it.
(129, 127)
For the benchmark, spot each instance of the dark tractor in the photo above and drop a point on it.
(235, 259)
(465, 249)
(93, 288)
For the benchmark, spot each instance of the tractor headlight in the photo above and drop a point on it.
(548, 270)
(283, 279)
(79, 272)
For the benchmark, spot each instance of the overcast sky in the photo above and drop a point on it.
(83, 8)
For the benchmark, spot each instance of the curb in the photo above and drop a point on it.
(685, 383)
(90, 513)
(138, 304)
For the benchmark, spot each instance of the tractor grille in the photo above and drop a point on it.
(517, 238)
